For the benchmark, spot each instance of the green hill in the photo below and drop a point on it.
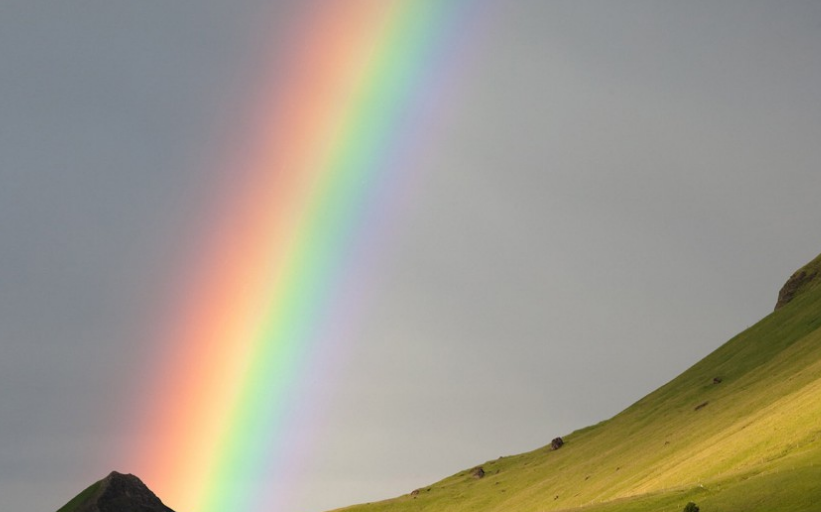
(738, 431)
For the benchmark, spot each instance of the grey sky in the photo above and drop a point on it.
(618, 189)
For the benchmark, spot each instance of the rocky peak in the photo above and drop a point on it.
(117, 492)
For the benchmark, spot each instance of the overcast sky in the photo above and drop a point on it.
(618, 188)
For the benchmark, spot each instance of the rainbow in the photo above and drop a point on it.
(276, 285)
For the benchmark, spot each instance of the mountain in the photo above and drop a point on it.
(116, 493)
(738, 431)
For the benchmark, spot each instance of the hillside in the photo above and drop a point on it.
(738, 431)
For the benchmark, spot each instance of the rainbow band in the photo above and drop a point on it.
(273, 288)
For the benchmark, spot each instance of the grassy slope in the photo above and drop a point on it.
(755, 446)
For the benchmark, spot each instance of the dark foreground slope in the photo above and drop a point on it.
(116, 493)
(739, 431)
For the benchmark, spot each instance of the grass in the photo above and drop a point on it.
(754, 446)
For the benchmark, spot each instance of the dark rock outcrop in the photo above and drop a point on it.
(117, 493)
(557, 443)
(794, 284)
(478, 472)
(803, 280)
